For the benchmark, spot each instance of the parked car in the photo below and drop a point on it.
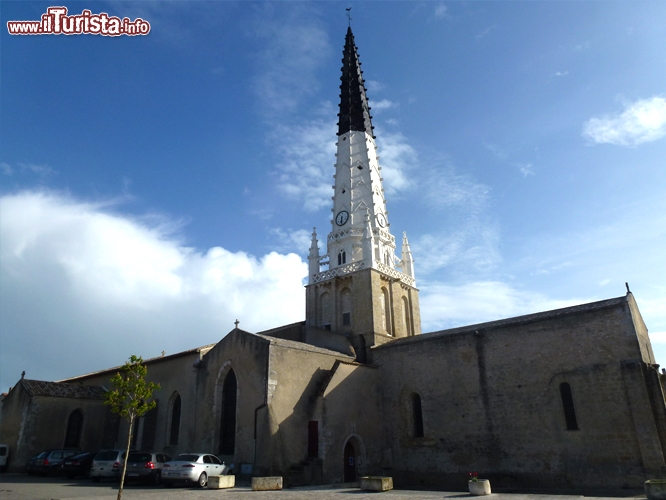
(77, 465)
(4, 456)
(193, 468)
(31, 466)
(107, 464)
(145, 466)
(48, 462)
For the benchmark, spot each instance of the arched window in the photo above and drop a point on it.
(405, 317)
(568, 407)
(386, 311)
(324, 312)
(74, 428)
(342, 257)
(228, 424)
(174, 430)
(387, 258)
(417, 415)
(346, 307)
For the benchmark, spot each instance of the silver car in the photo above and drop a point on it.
(193, 468)
(107, 463)
(145, 466)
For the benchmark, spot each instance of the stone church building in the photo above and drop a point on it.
(564, 398)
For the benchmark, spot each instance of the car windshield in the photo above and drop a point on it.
(139, 457)
(107, 455)
(80, 456)
(43, 454)
(187, 458)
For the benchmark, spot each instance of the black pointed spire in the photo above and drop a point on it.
(354, 110)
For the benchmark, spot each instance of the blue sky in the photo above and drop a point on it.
(156, 188)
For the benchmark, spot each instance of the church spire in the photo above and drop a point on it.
(365, 292)
(354, 110)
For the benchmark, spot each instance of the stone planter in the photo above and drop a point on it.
(377, 483)
(267, 483)
(655, 489)
(480, 487)
(221, 482)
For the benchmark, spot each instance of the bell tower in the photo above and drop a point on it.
(367, 293)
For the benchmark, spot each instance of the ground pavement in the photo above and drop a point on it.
(22, 487)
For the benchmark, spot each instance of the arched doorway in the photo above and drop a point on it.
(228, 424)
(74, 428)
(350, 462)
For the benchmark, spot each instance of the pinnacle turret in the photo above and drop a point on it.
(354, 110)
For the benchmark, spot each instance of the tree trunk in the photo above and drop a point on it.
(129, 442)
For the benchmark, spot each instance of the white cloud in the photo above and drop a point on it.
(641, 121)
(374, 86)
(305, 172)
(658, 337)
(292, 240)
(383, 104)
(561, 73)
(30, 168)
(525, 169)
(484, 33)
(447, 306)
(396, 157)
(441, 11)
(83, 288)
(294, 48)
(467, 250)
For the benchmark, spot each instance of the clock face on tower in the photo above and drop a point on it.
(381, 219)
(342, 218)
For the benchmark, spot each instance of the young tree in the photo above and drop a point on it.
(131, 398)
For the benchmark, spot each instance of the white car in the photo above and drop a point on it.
(107, 464)
(193, 468)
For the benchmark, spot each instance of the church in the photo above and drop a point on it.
(569, 398)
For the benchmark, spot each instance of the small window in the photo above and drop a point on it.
(360, 167)
(568, 407)
(418, 416)
(342, 257)
(346, 319)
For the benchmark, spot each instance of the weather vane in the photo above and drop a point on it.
(349, 15)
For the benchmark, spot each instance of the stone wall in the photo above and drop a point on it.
(491, 402)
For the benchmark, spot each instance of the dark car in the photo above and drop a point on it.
(49, 461)
(31, 466)
(145, 466)
(77, 465)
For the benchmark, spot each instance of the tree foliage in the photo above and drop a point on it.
(131, 397)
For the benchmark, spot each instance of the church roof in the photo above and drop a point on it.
(62, 390)
(301, 346)
(508, 322)
(158, 359)
(354, 110)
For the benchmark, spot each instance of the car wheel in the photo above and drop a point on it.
(203, 480)
(157, 479)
